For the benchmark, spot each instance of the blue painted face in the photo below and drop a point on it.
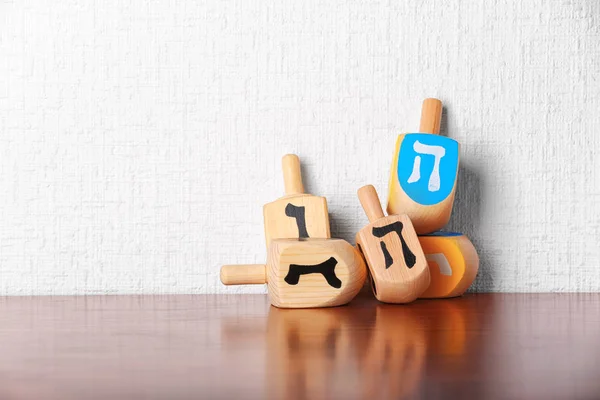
(427, 166)
(443, 234)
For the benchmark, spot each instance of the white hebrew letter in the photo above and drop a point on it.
(416, 173)
(442, 262)
(434, 179)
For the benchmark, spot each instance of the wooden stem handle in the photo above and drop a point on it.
(251, 274)
(370, 202)
(292, 177)
(431, 116)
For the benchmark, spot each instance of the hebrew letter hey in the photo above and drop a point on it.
(409, 257)
(434, 179)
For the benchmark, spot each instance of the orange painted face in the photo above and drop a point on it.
(453, 263)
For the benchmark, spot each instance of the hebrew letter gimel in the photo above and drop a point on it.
(409, 257)
(434, 179)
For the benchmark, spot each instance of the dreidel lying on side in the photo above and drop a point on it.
(398, 267)
(423, 175)
(297, 214)
(304, 273)
(453, 263)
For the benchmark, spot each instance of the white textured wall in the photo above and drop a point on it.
(139, 139)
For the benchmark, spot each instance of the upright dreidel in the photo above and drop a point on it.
(423, 176)
(297, 214)
(453, 263)
(303, 273)
(398, 267)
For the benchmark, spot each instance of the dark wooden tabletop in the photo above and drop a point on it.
(512, 346)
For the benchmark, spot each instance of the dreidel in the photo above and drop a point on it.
(423, 175)
(304, 273)
(297, 214)
(399, 272)
(453, 263)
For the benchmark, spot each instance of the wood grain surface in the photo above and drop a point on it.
(492, 346)
(399, 272)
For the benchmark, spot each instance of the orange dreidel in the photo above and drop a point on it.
(297, 214)
(398, 267)
(424, 170)
(304, 273)
(453, 263)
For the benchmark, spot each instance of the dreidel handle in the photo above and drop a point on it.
(292, 177)
(431, 116)
(250, 274)
(367, 195)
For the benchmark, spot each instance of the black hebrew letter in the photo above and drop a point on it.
(297, 213)
(326, 268)
(409, 257)
(389, 260)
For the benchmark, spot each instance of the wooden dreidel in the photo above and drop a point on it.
(424, 170)
(297, 214)
(398, 267)
(453, 263)
(304, 273)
